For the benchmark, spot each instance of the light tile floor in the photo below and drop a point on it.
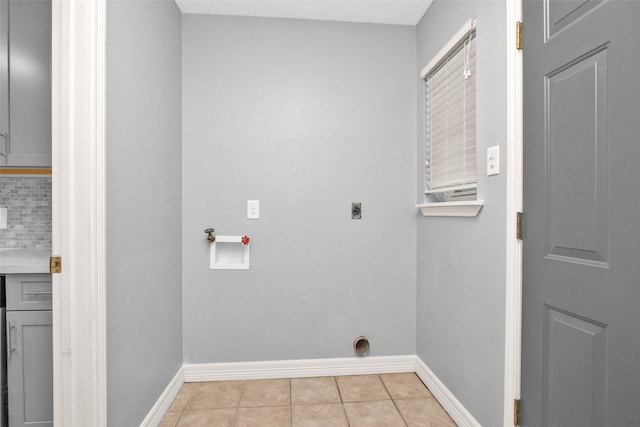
(387, 400)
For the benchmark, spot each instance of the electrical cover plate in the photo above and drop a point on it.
(493, 160)
(3, 218)
(253, 209)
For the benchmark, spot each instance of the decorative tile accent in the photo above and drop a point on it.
(28, 203)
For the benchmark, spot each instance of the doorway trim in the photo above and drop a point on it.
(79, 206)
(514, 193)
(78, 217)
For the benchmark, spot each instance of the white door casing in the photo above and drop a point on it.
(513, 288)
(79, 302)
(78, 218)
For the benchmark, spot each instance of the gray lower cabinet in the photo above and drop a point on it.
(29, 350)
(30, 368)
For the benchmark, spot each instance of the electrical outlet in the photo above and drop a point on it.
(493, 160)
(3, 218)
(253, 209)
(356, 210)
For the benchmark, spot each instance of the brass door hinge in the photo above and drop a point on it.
(55, 264)
(516, 412)
(519, 225)
(519, 35)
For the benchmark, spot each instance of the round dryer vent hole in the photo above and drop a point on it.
(361, 345)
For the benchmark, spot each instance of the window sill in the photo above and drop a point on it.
(469, 208)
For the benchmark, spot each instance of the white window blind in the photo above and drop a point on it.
(450, 115)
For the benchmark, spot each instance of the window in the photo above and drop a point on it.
(450, 119)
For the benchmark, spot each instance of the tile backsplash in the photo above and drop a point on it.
(28, 202)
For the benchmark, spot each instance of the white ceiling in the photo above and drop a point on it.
(399, 12)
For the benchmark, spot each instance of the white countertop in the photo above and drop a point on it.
(24, 261)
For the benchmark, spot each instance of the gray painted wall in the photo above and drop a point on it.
(461, 261)
(307, 117)
(144, 296)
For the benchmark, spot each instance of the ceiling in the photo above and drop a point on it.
(399, 12)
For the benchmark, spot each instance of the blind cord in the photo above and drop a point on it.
(467, 63)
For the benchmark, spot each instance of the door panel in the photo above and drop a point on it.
(574, 369)
(581, 251)
(562, 13)
(576, 143)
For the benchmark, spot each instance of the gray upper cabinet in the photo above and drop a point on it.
(25, 83)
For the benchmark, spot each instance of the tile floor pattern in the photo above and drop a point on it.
(388, 400)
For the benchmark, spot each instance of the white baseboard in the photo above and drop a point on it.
(298, 368)
(456, 410)
(155, 415)
(199, 372)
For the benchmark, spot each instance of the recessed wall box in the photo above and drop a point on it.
(229, 253)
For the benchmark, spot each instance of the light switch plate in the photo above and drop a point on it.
(493, 160)
(253, 209)
(3, 218)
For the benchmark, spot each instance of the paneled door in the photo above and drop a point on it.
(581, 253)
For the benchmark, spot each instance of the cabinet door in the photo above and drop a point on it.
(4, 82)
(30, 368)
(29, 134)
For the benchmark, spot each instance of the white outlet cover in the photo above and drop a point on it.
(493, 160)
(3, 218)
(253, 209)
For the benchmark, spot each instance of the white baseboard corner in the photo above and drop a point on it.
(155, 415)
(454, 408)
(298, 368)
